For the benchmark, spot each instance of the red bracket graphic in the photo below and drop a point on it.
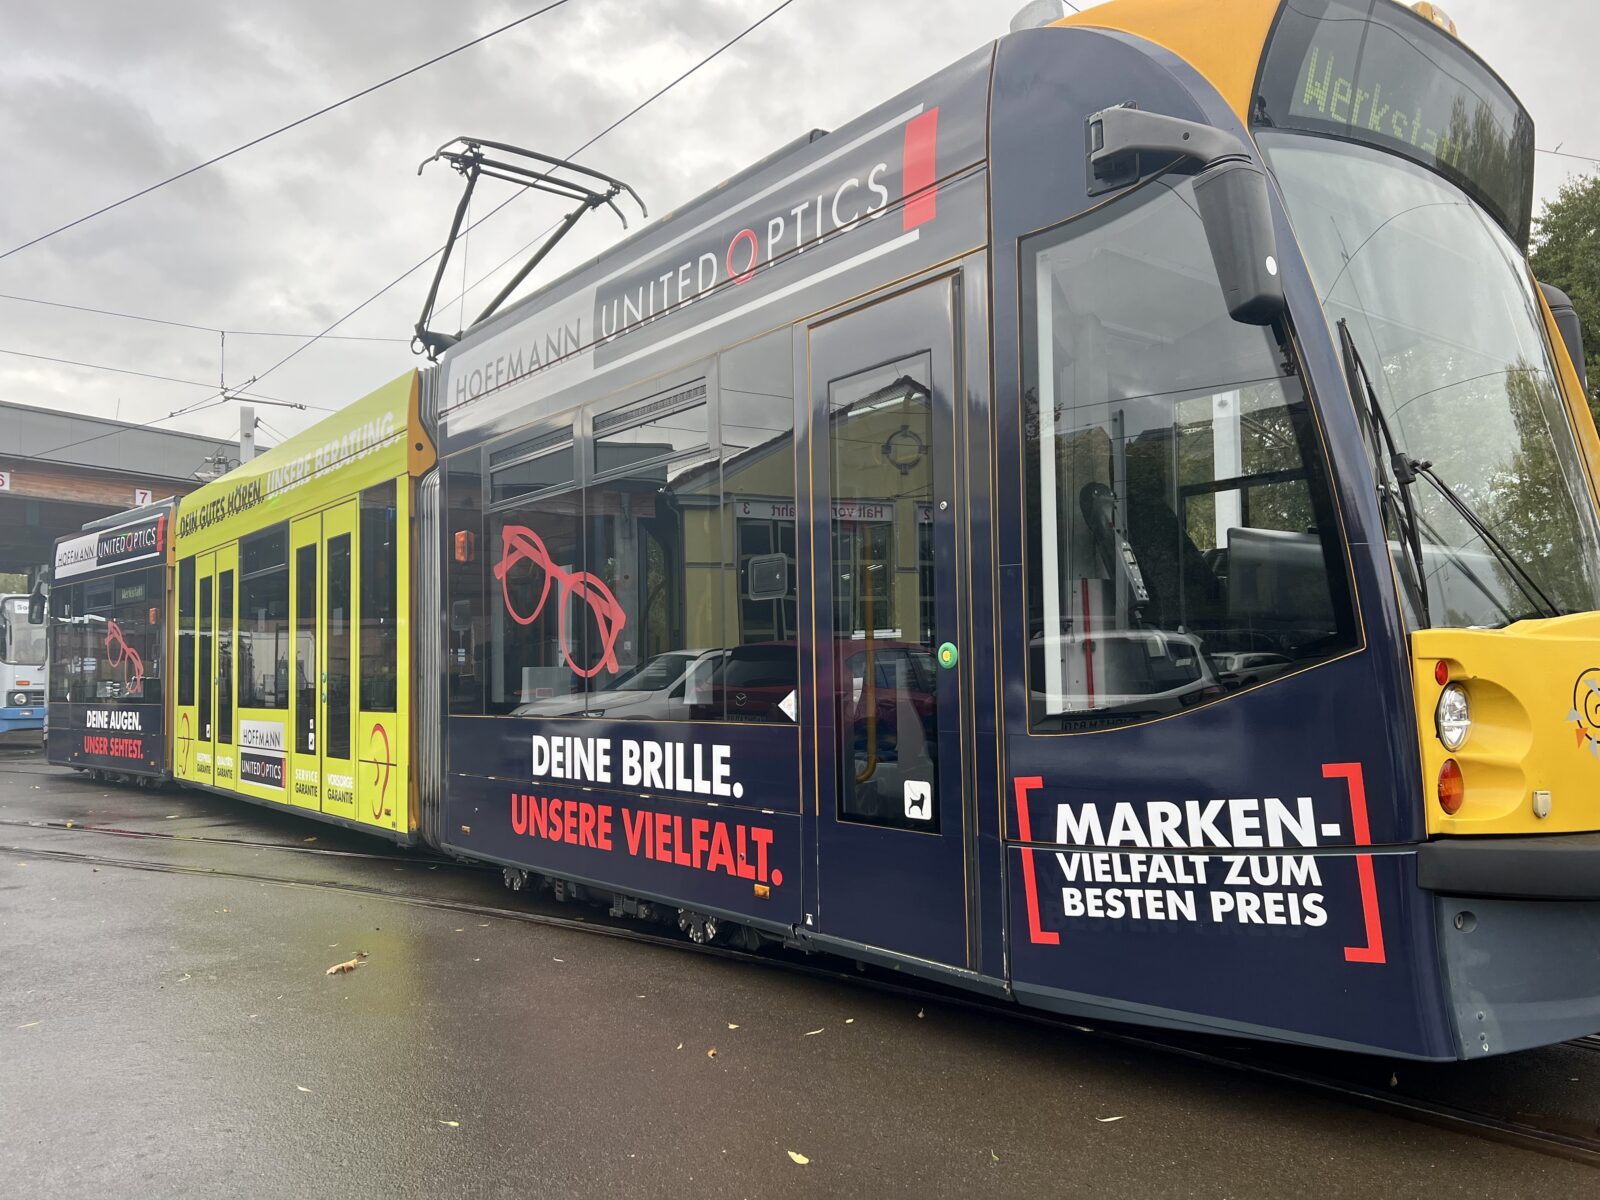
(1373, 951)
(1037, 934)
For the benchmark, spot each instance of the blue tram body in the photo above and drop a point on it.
(926, 771)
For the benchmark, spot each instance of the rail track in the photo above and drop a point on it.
(1259, 1061)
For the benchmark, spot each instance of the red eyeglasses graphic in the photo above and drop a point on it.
(120, 654)
(521, 544)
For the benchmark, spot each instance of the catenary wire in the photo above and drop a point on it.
(127, 316)
(256, 141)
(740, 36)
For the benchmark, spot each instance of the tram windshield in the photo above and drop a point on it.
(21, 644)
(1445, 317)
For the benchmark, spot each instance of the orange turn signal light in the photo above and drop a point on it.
(1452, 787)
(466, 546)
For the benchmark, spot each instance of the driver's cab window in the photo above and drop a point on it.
(1182, 539)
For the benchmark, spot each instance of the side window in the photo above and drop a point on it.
(759, 578)
(263, 635)
(653, 540)
(1179, 516)
(466, 614)
(186, 598)
(337, 735)
(305, 649)
(203, 716)
(225, 657)
(380, 637)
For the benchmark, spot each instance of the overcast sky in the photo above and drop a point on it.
(101, 98)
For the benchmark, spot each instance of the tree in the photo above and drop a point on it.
(1566, 254)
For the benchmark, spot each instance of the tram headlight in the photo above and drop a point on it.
(19, 699)
(1453, 717)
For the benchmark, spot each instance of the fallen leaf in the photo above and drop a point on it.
(680, 1045)
(798, 1157)
(731, 1025)
(711, 1053)
(814, 1032)
(1394, 1080)
(172, 816)
(849, 1020)
(29, 1025)
(310, 839)
(69, 824)
(346, 967)
(298, 1088)
(461, 931)
(1107, 1120)
(919, 1014)
(451, 1124)
(994, 1156)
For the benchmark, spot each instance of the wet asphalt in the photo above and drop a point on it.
(167, 1028)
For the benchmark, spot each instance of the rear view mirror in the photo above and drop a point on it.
(1566, 315)
(1126, 144)
(38, 604)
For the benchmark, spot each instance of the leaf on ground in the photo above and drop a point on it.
(814, 1032)
(172, 816)
(69, 824)
(731, 1025)
(993, 1156)
(298, 1088)
(451, 1124)
(1107, 1120)
(849, 1020)
(29, 1025)
(680, 1045)
(798, 1157)
(711, 1053)
(559, 960)
(919, 1014)
(309, 839)
(344, 968)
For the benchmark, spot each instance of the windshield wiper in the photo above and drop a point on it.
(1479, 526)
(1406, 472)
(1395, 496)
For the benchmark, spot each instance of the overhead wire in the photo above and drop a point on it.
(220, 396)
(256, 141)
(73, 362)
(128, 316)
(749, 29)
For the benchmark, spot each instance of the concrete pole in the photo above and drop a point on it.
(247, 433)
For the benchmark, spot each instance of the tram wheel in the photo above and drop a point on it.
(701, 928)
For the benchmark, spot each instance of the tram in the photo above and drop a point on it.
(1113, 528)
(110, 590)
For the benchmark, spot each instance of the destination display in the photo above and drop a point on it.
(1371, 71)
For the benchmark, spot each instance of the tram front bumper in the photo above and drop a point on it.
(1518, 922)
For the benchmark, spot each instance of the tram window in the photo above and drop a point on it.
(305, 649)
(756, 420)
(673, 432)
(536, 474)
(1178, 508)
(186, 574)
(653, 538)
(203, 717)
(225, 657)
(467, 558)
(336, 738)
(537, 657)
(380, 565)
(880, 437)
(263, 635)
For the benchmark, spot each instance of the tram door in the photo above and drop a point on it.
(225, 755)
(321, 586)
(892, 838)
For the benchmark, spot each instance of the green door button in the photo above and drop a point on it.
(949, 656)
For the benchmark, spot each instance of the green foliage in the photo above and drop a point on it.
(1566, 253)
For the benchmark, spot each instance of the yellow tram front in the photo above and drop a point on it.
(292, 645)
